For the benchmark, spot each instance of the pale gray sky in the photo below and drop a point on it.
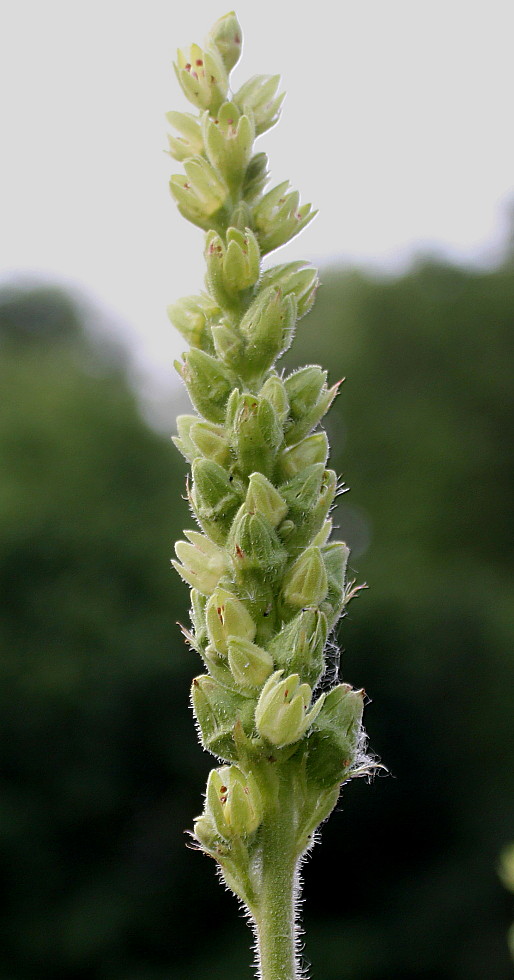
(397, 126)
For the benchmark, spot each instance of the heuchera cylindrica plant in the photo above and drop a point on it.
(268, 583)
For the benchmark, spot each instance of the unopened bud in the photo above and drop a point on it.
(278, 217)
(268, 328)
(259, 96)
(334, 742)
(193, 317)
(305, 583)
(202, 76)
(250, 665)
(203, 562)
(208, 382)
(300, 644)
(226, 616)
(214, 497)
(190, 141)
(228, 141)
(210, 441)
(227, 37)
(217, 710)
(257, 433)
(200, 193)
(309, 400)
(262, 498)
(282, 714)
(294, 277)
(256, 551)
(335, 558)
(274, 390)
(313, 449)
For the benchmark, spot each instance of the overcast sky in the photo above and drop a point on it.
(397, 126)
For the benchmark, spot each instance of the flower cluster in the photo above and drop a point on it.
(267, 582)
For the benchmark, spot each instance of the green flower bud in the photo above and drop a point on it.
(277, 217)
(312, 449)
(335, 558)
(306, 584)
(282, 714)
(208, 382)
(241, 265)
(294, 277)
(217, 710)
(228, 142)
(183, 440)
(268, 328)
(203, 562)
(193, 317)
(190, 142)
(231, 268)
(256, 177)
(210, 441)
(226, 36)
(334, 742)
(200, 193)
(202, 77)
(309, 400)
(298, 647)
(257, 434)
(310, 496)
(206, 833)
(256, 551)
(262, 498)
(258, 96)
(274, 390)
(215, 498)
(249, 664)
(234, 802)
(226, 616)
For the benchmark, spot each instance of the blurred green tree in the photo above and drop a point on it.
(99, 770)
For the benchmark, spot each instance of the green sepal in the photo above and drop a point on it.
(217, 710)
(210, 440)
(274, 390)
(228, 142)
(299, 646)
(278, 217)
(264, 499)
(335, 558)
(334, 741)
(215, 498)
(193, 317)
(208, 382)
(310, 450)
(305, 583)
(309, 401)
(256, 434)
(256, 177)
(190, 142)
(294, 277)
(200, 193)
(199, 639)
(310, 496)
(258, 96)
(250, 665)
(255, 549)
(268, 329)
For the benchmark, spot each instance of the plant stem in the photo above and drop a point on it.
(275, 918)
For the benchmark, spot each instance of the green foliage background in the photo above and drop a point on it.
(101, 772)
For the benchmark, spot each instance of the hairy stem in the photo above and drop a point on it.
(275, 919)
